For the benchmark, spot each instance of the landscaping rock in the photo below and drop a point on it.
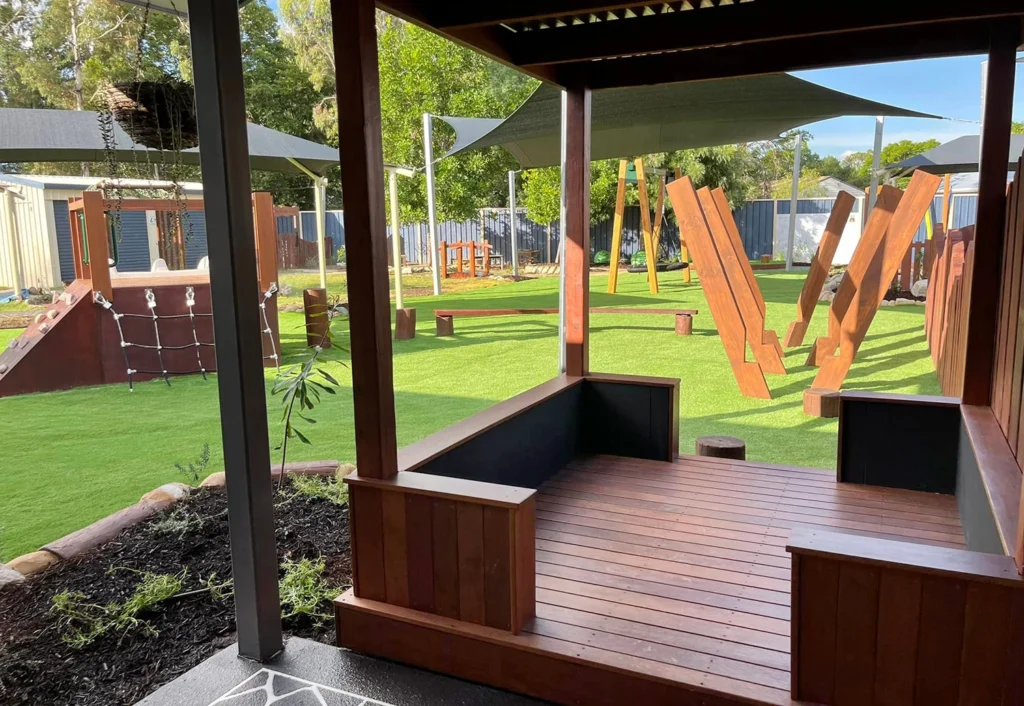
(9, 575)
(900, 301)
(214, 480)
(919, 288)
(167, 494)
(39, 299)
(33, 563)
(344, 469)
(285, 290)
(826, 295)
(833, 282)
(292, 308)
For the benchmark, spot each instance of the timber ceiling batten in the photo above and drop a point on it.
(614, 13)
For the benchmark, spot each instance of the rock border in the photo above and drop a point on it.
(101, 531)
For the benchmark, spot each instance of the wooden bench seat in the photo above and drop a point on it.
(445, 318)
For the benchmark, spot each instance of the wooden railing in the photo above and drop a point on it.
(876, 621)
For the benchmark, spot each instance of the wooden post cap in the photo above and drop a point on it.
(684, 324)
(722, 447)
(821, 402)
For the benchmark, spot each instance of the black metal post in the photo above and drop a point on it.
(220, 105)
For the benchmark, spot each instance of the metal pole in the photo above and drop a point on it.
(512, 221)
(428, 158)
(793, 200)
(876, 163)
(234, 289)
(15, 246)
(561, 242)
(320, 191)
(396, 236)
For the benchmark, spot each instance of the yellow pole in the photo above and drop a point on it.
(616, 253)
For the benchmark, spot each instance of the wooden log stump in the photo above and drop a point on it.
(405, 324)
(766, 259)
(314, 303)
(722, 447)
(684, 324)
(445, 326)
(821, 402)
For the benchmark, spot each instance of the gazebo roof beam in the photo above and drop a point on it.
(844, 49)
(731, 24)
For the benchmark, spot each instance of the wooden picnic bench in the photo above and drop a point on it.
(445, 318)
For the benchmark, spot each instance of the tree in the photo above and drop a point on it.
(17, 18)
(1017, 127)
(542, 192)
(419, 72)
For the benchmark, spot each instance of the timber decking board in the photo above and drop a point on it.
(684, 563)
(676, 574)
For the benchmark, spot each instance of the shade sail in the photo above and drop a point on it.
(957, 156)
(628, 122)
(34, 135)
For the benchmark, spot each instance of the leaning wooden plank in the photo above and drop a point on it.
(867, 249)
(818, 273)
(881, 270)
(645, 226)
(746, 295)
(723, 305)
(684, 252)
(616, 254)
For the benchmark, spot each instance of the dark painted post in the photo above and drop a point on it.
(577, 230)
(234, 285)
(988, 248)
(362, 182)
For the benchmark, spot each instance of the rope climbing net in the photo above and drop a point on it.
(193, 316)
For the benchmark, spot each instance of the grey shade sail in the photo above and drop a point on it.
(957, 156)
(35, 135)
(636, 121)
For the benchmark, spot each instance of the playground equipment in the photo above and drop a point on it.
(946, 317)
(636, 173)
(483, 246)
(820, 264)
(112, 327)
(886, 239)
(728, 283)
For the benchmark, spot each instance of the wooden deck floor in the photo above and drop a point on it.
(660, 581)
(680, 570)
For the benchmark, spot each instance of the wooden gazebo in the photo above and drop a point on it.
(557, 544)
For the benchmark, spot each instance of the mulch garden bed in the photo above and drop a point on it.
(38, 667)
(894, 293)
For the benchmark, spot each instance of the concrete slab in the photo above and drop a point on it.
(309, 672)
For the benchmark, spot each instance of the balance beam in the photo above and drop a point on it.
(445, 318)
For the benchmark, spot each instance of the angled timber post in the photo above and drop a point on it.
(871, 292)
(724, 309)
(818, 273)
(659, 213)
(645, 226)
(616, 253)
(684, 252)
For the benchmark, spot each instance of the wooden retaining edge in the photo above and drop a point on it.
(102, 531)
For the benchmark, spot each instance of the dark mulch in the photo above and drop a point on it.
(894, 293)
(37, 668)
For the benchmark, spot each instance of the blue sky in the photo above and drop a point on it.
(947, 87)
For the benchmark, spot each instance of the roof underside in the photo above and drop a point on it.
(647, 119)
(613, 44)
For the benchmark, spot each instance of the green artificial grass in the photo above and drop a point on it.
(73, 457)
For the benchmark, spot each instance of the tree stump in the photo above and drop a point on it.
(766, 259)
(405, 324)
(722, 447)
(314, 303)
(684, 324)
(821, 402)
(445, 326)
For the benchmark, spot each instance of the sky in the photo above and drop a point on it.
(947, 87)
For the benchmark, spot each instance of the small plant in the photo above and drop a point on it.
(177, 523)
(304, 590)
(82, 623)
(341, 256)
(195, 469)
(639, 259)
(301, 385)
(602, 257)
(330, 489)
(312, 263)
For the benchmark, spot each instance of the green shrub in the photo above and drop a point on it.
(305, 591)
(329, 489)
(602, 257)
(639, 259)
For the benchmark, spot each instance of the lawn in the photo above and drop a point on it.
(73, 457)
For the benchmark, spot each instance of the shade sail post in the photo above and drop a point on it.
(428, 158)
(876, 163)
(794, 199)
(575, 263)
(396, 235)
(512, 221)
(320, 205)
(234, 289)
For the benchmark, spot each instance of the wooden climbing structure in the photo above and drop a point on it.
(820, 264)
(889, 232)
(636, 173)
(727, 279)
(483, 247)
